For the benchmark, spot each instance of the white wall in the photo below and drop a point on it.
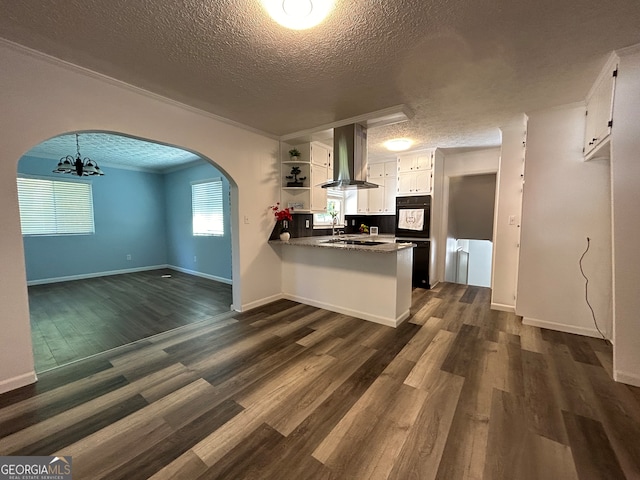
(480, 254)
(625, 173)
(438, 221)
(473, 162)
(42, 98)
(565, 201)
(506, 235)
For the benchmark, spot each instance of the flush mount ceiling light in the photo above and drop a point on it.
(78, 166)
(398, 144)
(298, 14)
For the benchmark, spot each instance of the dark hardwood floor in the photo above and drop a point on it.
(77, 319)
(289, 391)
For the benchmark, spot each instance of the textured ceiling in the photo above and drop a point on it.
(115, 150)
(464, 67)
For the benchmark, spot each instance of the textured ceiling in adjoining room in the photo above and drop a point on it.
(464, 68)
(115, 150)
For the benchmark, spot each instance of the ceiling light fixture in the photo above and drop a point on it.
(398, 144)
(297, 8)
(78, 166)
(298, 14)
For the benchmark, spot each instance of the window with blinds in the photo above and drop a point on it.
(207, 207)
(52, 207)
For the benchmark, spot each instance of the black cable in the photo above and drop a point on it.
(586, 289)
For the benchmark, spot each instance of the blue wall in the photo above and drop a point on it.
(213, 254)
(131, 218)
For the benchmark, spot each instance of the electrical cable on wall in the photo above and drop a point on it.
(586, 289)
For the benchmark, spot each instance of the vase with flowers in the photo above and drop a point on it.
(283, 217)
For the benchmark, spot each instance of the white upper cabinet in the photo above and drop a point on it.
(381, 200)
(320, 154)
(363, 201)
(599, 113)
(330, 166)
(376, 173)
(415, 173)
(414, 183)
(415, 162)
(318, 194)
(424, 161)
(390, 170)
(376, 200)
(390, 185)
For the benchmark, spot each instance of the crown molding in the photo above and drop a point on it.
(127, 86)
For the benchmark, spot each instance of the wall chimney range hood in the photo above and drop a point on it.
(349, 158)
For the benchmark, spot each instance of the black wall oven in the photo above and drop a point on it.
(413, 217)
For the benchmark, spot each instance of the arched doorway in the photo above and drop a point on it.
(142, 270)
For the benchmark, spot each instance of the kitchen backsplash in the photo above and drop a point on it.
(298, 227)
(386, 223)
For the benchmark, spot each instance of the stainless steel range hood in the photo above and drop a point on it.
(349, 158)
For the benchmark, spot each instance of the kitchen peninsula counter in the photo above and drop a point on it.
(386, 243)
(359, 279)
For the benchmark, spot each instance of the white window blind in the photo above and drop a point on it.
(52, 207)
(207, 209)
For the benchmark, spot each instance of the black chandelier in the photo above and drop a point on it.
(78, 166)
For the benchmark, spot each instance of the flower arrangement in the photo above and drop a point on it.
(334, 214)
(284, 214)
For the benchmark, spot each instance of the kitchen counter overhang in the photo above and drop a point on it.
(369, 243)
(371, 282)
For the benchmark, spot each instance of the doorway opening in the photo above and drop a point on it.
(473, 262)
(141, 269)
(471, 205)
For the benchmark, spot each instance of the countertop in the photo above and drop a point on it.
(388, 244)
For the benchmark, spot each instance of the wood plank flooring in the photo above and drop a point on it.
(77, 319)
(289, 391)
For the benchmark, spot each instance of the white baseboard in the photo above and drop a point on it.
(228, 281)
(69, 278)
(628, 378)
(352, 313)
(257, 303)
(560, 327)
(503, 308)
(19, 381)
(94, 275)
